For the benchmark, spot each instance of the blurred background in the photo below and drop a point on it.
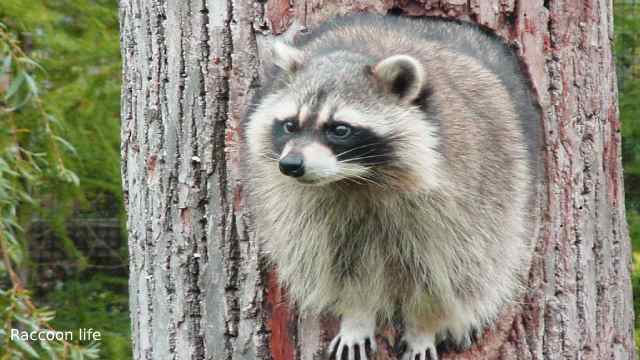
(63, 245)
(62, 230)
(627, 56)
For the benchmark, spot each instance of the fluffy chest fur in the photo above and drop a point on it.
(330, 242)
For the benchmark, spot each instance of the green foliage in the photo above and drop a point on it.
(627, 52)
(59, 158)
(29, 156)
(77, 42)
(19, 312)
(29, 150)
(99, 303)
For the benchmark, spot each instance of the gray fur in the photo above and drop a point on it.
(442, 231)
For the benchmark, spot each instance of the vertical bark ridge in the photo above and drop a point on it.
(230, 237)
(216, 268)
(249, 342)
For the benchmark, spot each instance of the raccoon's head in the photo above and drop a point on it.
(343, 117)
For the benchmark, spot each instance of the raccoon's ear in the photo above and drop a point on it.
(287, 57)
(401, 75)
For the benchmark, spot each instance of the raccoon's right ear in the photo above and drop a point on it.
(287, 57)
(401, 75)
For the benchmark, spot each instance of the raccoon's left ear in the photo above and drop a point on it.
(401, 75)
(287, 57)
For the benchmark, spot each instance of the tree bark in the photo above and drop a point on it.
(198, 287)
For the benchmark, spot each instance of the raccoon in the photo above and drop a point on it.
(392, 163)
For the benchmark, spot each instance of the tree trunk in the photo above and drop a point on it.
(197, 285)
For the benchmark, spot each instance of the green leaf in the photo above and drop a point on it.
(52, 119)
(29, 322)
(6, 64)
(15, 85)
(92, 351)
(75, 354)
(24, 346)
(50, 351)
(65, 143)
(69, 176)
(30, 62)
(33, 87)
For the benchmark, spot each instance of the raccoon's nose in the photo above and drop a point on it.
(292, 165)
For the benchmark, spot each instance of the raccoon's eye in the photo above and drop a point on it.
(339, 131)
(289, 127)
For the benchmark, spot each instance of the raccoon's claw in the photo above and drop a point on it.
(420, 348)
(351, 349)
(355, 341)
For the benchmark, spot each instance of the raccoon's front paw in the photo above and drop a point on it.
(419, 347)
(351, 348)
(355, 341)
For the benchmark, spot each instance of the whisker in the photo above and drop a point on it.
(357, 148)
(368, 180)
(352, 180)
(351, 174)
(364, 158)
(375, 163)
(366, 163)
(269, 156)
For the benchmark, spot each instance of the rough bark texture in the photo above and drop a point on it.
(197, 288)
